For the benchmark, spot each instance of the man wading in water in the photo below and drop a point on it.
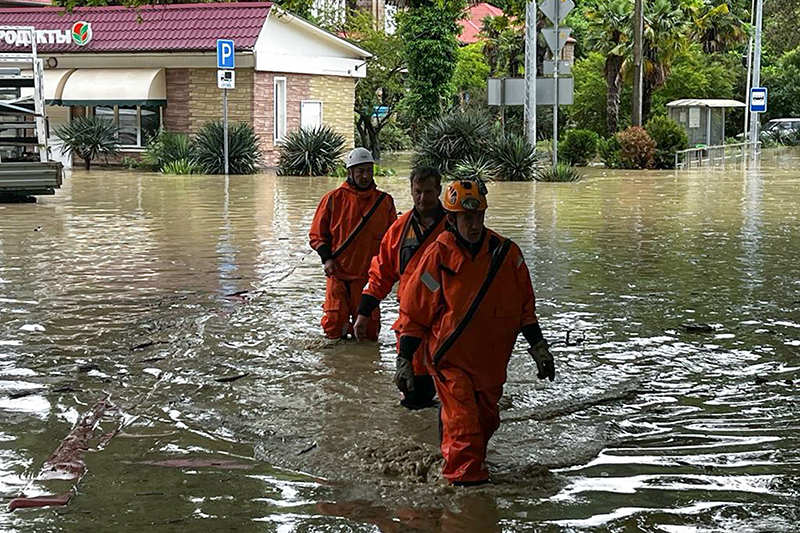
(346, 233)
(467, 301)
(401, 250)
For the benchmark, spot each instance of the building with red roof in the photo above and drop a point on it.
(156, 67)
(472, 24)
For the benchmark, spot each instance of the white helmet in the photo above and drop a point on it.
(359, 156)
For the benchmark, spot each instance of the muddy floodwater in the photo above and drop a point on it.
(191, 307)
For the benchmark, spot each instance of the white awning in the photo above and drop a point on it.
(54, 81)
(112, 86)
(705, 102)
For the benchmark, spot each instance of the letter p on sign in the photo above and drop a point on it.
(225, 51)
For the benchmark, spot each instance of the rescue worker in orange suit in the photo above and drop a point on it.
(346, 233)
(467, 301)
(401, 250)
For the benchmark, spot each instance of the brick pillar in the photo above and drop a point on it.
(176, 112)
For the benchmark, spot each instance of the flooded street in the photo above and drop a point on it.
(192, 305)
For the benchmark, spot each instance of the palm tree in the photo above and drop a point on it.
(609, 30)
(716, 27)
(504, 46)
(666, 27)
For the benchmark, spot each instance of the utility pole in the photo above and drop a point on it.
(754, 119)
(749, 71)
(638, 30)
(556, 57)
(531, 18)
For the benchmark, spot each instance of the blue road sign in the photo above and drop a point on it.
(758, 100)
(225, 51)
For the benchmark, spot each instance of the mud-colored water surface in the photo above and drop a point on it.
(169, 325)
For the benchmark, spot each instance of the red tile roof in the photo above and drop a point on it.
(473, 23)
(163, 28)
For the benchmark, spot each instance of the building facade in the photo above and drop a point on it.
(156, 67)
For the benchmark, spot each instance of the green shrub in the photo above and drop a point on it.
(544, 149)
(559, 173)
(131, 163)
(393, 137)
(451, 139)
(314, 152)
(183, 166)
(669, 137)
(474, 167)
(88, 137)
(165, 148)
(513, 158)
(244, 155)
(636, 148)
(578, 147)
(609, 151)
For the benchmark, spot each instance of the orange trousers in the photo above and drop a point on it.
(341, 308)
(468, 419)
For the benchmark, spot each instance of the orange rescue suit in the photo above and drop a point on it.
(339, 214)
(401, 251)
(469, 377)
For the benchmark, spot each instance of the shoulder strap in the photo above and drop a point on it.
(422, 236)
(498, 256)
(360, 227)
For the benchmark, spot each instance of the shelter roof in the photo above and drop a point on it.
(705, 102)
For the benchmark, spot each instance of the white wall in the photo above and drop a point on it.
(289, 44)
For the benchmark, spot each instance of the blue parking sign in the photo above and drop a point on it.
(225, 51)
(758, 100)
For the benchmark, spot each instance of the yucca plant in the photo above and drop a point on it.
(513, 157)
(88, 137)
(451, 139)
(478, 167)
(165, 148)
(311, 152)
(561, 172)
(183, 166)
(244, 156)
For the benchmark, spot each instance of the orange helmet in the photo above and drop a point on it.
(465, 195)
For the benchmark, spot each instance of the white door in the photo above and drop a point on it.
(310, 114)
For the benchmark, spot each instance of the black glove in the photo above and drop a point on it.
(544, 360)
(404, 375)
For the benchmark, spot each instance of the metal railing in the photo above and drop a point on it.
(711, 156)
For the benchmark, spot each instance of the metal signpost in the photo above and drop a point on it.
(756, 79)
(531, 18)
(531, 91)
(226, 79)
(556, 38)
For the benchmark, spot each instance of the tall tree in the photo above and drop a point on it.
(716, 27)
(666, 28)
(380, 93)
(429, 31)
(504, 46)
(609, 31)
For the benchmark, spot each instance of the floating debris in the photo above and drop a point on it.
(229, 379)
(696, 327)
(147, 344)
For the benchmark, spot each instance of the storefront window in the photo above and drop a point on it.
(104, 112)
(151, 123)
(128, 123)
(137, 124)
